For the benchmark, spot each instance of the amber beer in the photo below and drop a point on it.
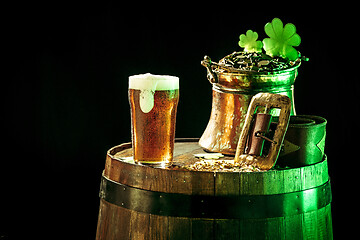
(153, 102)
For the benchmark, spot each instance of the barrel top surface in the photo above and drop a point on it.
(175, 179)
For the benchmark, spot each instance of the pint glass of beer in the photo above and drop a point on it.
(153, 102)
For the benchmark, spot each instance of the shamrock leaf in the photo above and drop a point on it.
(282, 40)
(249, 43)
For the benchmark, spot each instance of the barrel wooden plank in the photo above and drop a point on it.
(158, 227)
(273, 177)
(293, 226)
(292, 180)
(227, 229)
(202, 183)
(227, 183)
(179, 227)
(251, 183)
(277, 228)
(139, 226)
(110, 225)
(253, 229)
(314, 174)
(202, 229)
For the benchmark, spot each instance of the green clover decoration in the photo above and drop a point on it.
(249, 43)
(281, 42)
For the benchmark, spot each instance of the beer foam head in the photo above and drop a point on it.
(148, 84)
(152, 82)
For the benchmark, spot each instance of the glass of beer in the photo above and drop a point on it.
(153, 103)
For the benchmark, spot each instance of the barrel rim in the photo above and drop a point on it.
(128, 145)
(210, 183)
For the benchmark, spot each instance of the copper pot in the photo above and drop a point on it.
(232, 92)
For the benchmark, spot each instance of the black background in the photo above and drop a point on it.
(65, 95)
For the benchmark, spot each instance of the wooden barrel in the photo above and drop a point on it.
(140, 202)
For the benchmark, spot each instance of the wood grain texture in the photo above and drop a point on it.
(116, 222)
